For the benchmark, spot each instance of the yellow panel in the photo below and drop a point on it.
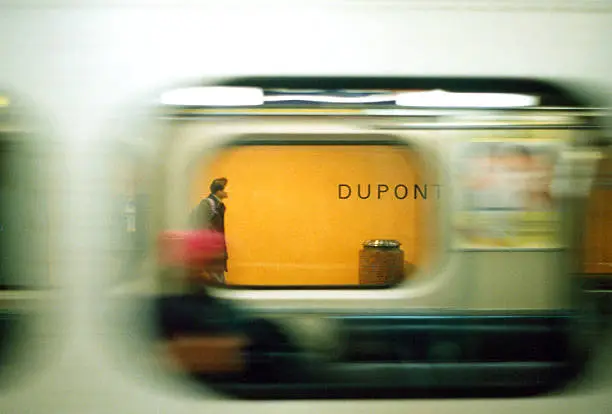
(285, 222)
(598, 248)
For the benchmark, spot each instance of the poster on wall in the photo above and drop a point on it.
(507, 199)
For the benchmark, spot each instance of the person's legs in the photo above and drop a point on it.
(216, 271)
(218, 277)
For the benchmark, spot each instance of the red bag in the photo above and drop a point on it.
(190, 249)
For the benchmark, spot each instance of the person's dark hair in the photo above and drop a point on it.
(218, 184)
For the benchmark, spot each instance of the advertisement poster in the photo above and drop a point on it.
(506, 195)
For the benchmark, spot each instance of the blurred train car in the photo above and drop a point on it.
(493, 263)
(317, 192)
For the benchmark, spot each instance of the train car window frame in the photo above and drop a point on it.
(379, 315)
(191, 146)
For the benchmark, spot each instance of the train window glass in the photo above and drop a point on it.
(25, 237)
(598, 253)
(596, 269)
(320, 214)
(130, 206)
(7, 223)
(24, 216)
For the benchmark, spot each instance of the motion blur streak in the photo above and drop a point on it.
(88, 73)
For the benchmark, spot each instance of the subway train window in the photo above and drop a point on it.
(341, 198)
(129, 226)
(597, 257)
(369, 237)
(25, 245)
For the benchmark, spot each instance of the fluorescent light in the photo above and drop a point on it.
(439, 98)
(331, 99)
(253, 96)
(214, 96)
